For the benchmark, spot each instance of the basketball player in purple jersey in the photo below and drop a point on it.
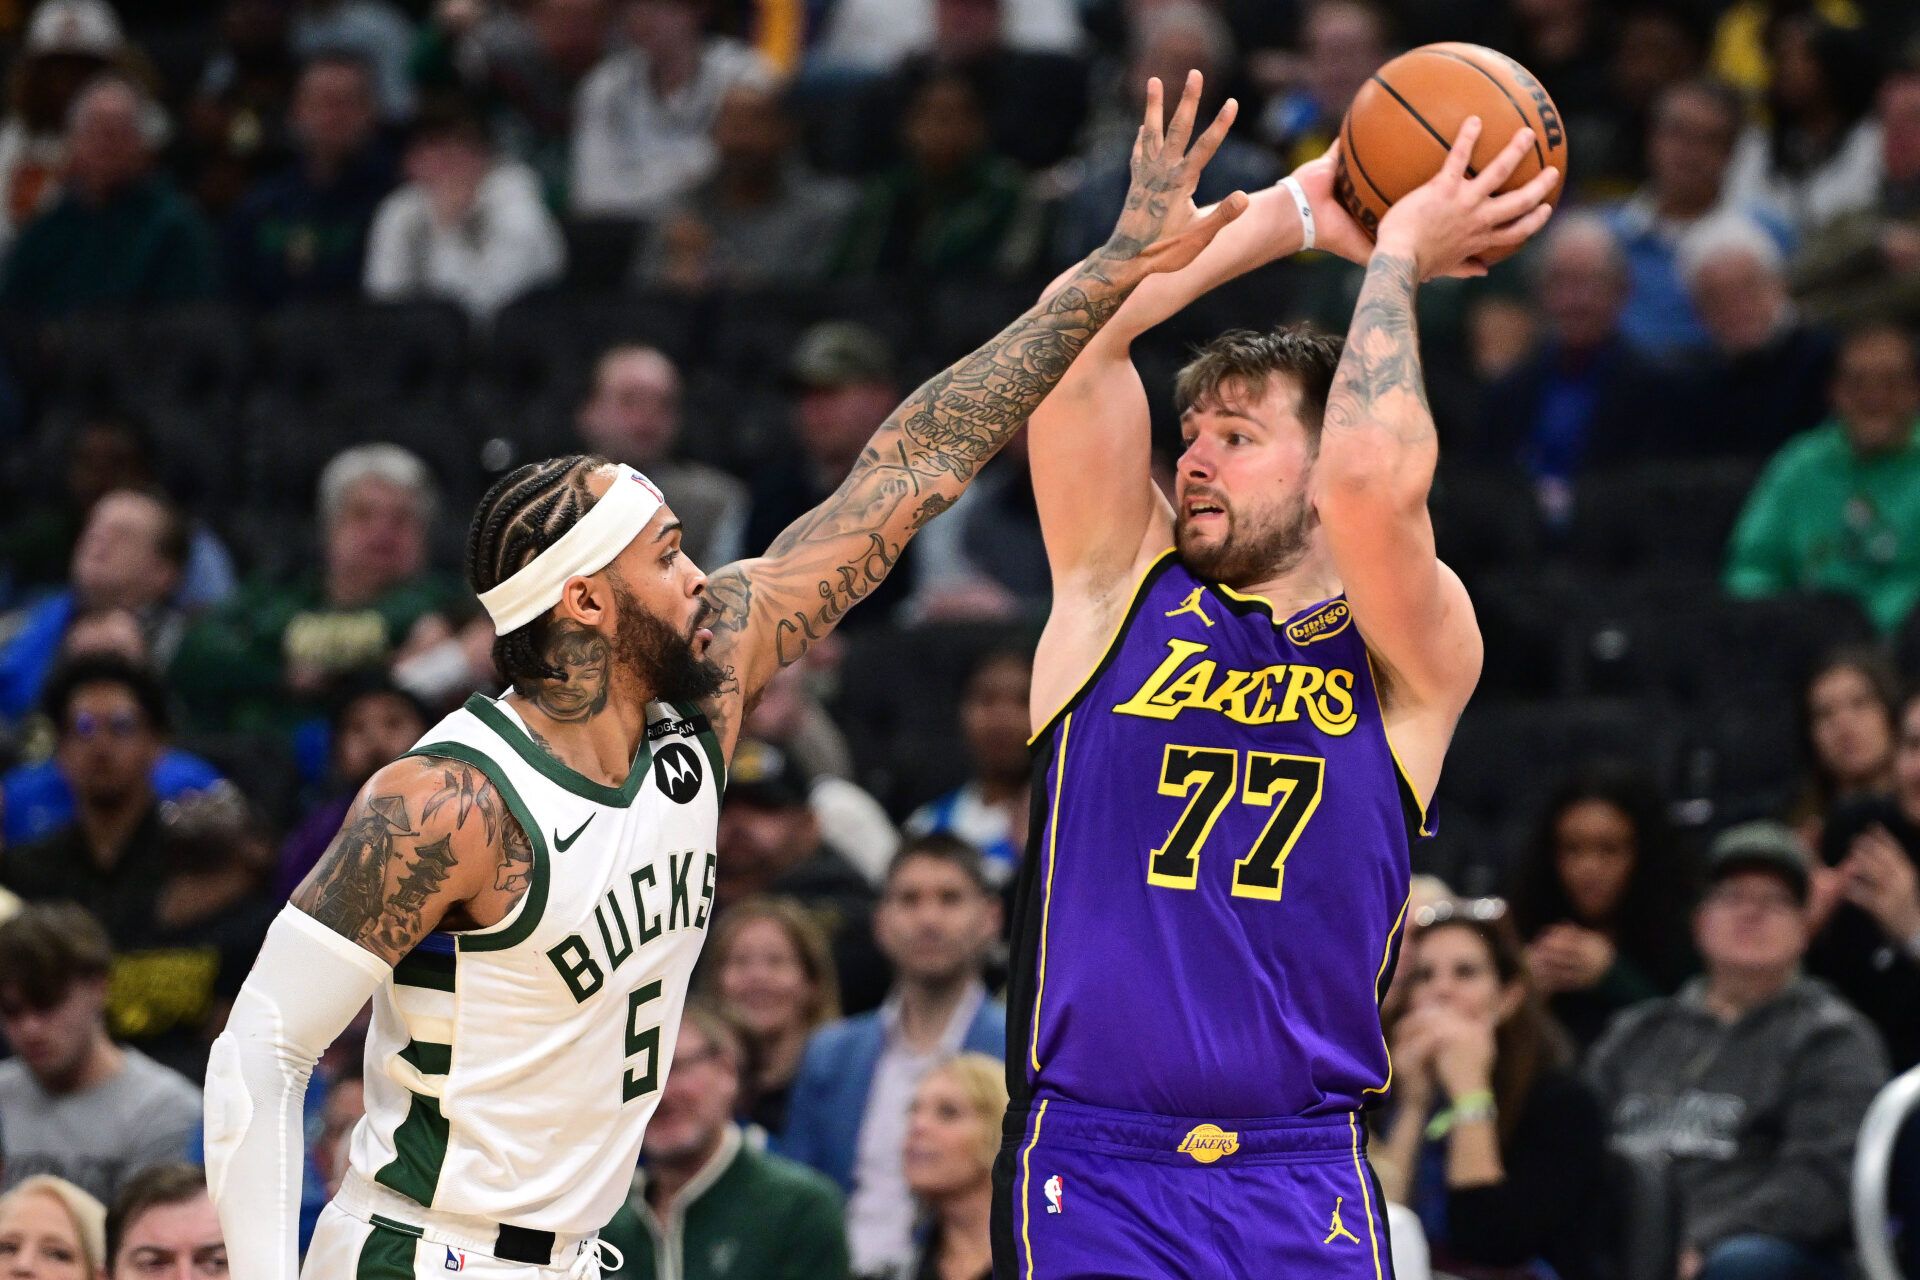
(1241, 702)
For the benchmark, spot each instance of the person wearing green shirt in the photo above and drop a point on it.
(1838, 508)
(705, 1203)
(265, 662)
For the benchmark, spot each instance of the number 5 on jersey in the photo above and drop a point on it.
(1207, 776)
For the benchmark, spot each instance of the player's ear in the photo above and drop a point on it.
(587, 600)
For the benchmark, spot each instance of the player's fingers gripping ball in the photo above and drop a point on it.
(1405, 118)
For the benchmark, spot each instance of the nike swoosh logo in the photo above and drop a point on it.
(561, 846)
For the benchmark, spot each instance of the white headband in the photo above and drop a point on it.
(595, 539)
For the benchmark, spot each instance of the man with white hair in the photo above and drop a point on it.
(264, 662)
(120, 233)
(1764, 377)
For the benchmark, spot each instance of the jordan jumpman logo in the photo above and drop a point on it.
(1339, 1228)
(1191, 605)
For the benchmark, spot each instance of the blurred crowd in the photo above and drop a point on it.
(284, 283)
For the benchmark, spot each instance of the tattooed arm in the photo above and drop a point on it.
(428, 841)
(1378, 448)
(768, 611)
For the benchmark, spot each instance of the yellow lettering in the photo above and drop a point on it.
(1150, 700)
(1332, 711)
(1302, 684)
(1190, 688)
(1230, 699)
(1262, 712)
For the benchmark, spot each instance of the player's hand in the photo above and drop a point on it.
(1451, 219)
(1334, 229)
(1881, 880)
(1160, 229)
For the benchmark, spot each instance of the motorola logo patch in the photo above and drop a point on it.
(676, 770)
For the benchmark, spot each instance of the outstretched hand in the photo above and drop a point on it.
(1160, 229)
(1454, 218)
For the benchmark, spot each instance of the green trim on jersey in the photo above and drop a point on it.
(431, 969)
(404, 1228)
(419, 1152)
(386, 1253)
(559, 774)
(709, 741)
(535, 903)
(428, 1058)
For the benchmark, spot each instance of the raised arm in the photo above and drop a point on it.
(769, 610)
(1378, 448)
(427, 842)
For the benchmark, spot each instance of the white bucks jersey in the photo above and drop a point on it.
(511, 1071)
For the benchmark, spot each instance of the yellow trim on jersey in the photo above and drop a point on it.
(1366, 1194)
(1106, 651)
(1026, 1186)
(1384, 953)
(1373, 675)
(1046, 896)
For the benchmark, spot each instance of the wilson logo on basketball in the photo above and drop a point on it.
(1208, 1142)
(1330, 621)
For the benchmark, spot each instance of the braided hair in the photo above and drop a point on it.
(525, 512)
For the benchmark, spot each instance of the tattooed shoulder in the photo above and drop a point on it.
(396, 871)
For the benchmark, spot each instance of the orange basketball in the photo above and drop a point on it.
(1404, 120)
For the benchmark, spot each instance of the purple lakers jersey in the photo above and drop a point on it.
(1212, 898)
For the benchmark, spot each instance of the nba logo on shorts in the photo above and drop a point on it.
(1053, 1187)
(456, 1260)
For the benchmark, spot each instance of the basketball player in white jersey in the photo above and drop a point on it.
(523, 895)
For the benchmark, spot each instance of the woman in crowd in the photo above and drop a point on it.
(953, 1132)
(771, 969)
(1846, 715)
(1492, 1141)
(52, 1230)
(1602, 900)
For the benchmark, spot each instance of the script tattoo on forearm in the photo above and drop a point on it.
(1378, 383)
(375, 881)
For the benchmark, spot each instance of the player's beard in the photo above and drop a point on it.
(647, 648)
(1255, 549)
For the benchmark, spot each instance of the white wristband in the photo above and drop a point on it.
(1305, 209)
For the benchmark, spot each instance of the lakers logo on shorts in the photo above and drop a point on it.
(1208, 1142)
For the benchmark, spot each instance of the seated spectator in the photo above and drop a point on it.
(1689, 147)
(876, 36)
(52, 1230)
(764, 218)
(768, 968)
(1868, 947)
(301, 236)
(936, 921)
(770, 845)
(1848, 708)
(846, 386)
(345, 1106)
(1493, 1141)
(374, 31)
(37, 798)
(986, 558)
(131, 557)
(110, 724)
(1167, 41)
(703, 1194)
(990, 811)
(953, 1136)
(372, 721)
(1655, 46)
(265, 661)
(643, 130)
(72, 1102)
(1764, 378)
(633, 416)
(1838, 508)
(105, 449)
(68, 43)
(163, 1224)
(1752, 1080)
(1422, 891)
(466, 226)
(952, 205)
(120, 234)
(1819, 159)
(1602, 901)
(1585, 397)
(1342, 43)
(1866, 265)
(234, 127)
(524, 66)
